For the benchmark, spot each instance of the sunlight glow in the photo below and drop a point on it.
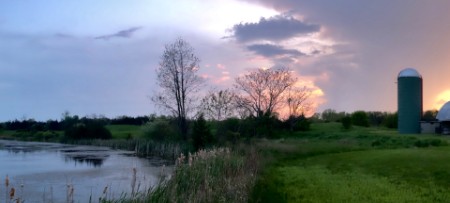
(224, 14)
(441, 99)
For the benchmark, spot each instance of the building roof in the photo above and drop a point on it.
(444, 112)
(409, 72)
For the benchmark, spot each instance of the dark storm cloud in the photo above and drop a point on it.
(270, 50)
(121, 34)
(275, 28)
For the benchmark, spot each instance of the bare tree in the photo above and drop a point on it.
(297, 103)
(178, 79)
(218, 105)
(263, 90)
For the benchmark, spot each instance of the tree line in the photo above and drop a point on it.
(259, 96)
(58, 125)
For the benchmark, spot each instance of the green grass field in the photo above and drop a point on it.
(124, 131)
(328, 164)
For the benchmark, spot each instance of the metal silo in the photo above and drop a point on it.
(409, 83)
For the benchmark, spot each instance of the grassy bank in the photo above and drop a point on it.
(328, 164)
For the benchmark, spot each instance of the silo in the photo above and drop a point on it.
(409, 83)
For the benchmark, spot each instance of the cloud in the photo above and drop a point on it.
(120, 34)
(92, 77)
(221, 66)
(275, 28)
(63, 36)
(270, 50)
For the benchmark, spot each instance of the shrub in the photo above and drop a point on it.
(360, 118)
(430, 142)
(87, 129)
(225, 127)
(232, 137)
(267, 124)
(303, 124)
(201, 134)
(347, 122)
(46, 136)
(391, 120)
(297, 123)
(160, 129)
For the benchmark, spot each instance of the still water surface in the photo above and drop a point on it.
(40, 172)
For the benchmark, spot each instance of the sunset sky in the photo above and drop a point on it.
(99, 57)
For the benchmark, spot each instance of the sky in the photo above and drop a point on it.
(99, 57)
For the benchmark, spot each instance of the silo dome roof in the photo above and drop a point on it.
(409, 72)
(444, 112)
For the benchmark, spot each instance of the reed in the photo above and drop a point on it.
(216, 175)
(11, 195)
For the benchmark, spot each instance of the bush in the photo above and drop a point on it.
(228, 130)
(232, 137)
(303, 124)
(87, 129)
(297, 123)
(347, 122)
(391, 120)
(201, 134)
(360, 118)
(430, 142)
(267, 124)
(160, 129)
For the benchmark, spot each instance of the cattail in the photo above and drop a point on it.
(7, 181)
(133, 181)
(71, 193)
(105, 190)
(11, 193)
(190, 159)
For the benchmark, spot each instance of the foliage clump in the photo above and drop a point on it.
(84, 128)
(201, 134)
(88, 129)
(347, 122)
(359, 118)
(161, 129)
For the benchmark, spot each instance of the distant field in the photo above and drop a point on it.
(328, 164)
(124, 131)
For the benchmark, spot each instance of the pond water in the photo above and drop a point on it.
(41, 172)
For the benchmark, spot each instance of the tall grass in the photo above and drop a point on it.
(216, 175)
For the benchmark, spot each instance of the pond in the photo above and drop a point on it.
(46, 172)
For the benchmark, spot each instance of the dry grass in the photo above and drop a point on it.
(216, 175)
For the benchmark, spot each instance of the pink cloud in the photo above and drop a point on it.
(221, 66)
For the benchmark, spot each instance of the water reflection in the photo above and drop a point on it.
(44, 167)
(91, 156)
(31, 147)
(90, 160)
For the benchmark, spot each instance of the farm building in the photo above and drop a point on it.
(443, 117)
